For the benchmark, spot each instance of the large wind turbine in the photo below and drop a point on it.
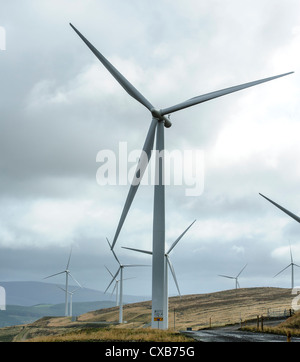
(167, 263)
(120, 270)
(237, 285)
(159, 121)
(67, 271)
(292, 264)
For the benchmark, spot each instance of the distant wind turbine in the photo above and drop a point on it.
(67, 271)
(120, 270)
(167, 263)
(237, 285)
(159, 121)
(71, 298)
(292, 264)
(116, 287)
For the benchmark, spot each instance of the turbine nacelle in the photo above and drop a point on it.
(156, 113)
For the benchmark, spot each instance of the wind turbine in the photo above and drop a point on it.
(159, 121)
(237, 285)
(167, 263)
(120, 270)
(116, 287)
(292, 264)
(71, 297)
(67, 271)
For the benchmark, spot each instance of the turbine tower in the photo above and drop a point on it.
(237, 285)
(292, 264)
(159, 121)
(67, 271)
(120, 270)
(167, 263)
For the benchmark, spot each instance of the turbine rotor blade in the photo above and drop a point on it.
(295, 217)
(109, 271)
(241, 270)
(133, 265)
(115, 287)
(129, 88)
(141, 167)
(216, 94)
(114, 254)
(55, 274)
(282, 270)
(173, 273)
(177, 240)
(291, 254)
(113, 279)
(138, 250)
(69, 259)
(226, 276)
(75, 280)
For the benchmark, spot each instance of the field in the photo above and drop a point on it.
(190, 311)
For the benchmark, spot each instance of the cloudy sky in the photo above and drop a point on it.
(60, 108)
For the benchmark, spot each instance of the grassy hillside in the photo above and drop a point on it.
(199, 310)
(194, 311)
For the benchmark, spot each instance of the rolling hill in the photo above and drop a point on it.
(199, 310)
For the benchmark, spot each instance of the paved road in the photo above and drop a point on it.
(230, 334)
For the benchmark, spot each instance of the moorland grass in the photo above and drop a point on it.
(116, 335)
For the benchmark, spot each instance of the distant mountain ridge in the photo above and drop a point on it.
(29, 293)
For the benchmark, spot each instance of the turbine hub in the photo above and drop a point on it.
(156, 113)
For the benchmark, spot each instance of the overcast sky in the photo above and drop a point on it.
(60, 108)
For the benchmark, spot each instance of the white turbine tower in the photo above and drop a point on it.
(159, 121)
(167, 263)
(67, 272)
(120, 270)
(237, 284)
(292, 264)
